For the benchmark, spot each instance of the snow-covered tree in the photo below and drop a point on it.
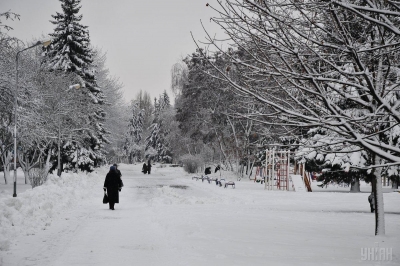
(158, 131)
(133, 137)
(70, 51)
(179, 77)
(306, 60)
(117, 109)
(7, 77)
(163, 102)
(144, 102)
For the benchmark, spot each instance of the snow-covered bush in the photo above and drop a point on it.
(38, 176)
(43, 204)
(191, 163)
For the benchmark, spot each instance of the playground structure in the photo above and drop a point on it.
(300, 169)
(260, 175)
(278, 175)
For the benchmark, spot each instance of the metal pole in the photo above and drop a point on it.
(266, 170)
(273, 168)
(15, 114)
(288, 170)
(15, 125)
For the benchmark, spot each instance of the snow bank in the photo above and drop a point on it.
(35, 209)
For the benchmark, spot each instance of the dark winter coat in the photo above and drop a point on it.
(118, 172)
(149, 167)
(144, 169)
(207, 171)
(217, 168)
(113, 183)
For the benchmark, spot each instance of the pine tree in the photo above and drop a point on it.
(163, 101)
(158, 133)
(134, 135)
(70, 51)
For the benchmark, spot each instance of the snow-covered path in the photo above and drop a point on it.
(168, 219)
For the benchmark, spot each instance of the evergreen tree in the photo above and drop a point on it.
(158, 132)
(70, 51)
(134, 134)
(163, 101)
(143, 99)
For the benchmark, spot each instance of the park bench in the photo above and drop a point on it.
(229, 183)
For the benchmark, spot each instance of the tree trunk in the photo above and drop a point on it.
(251, 169)
(47, 165)
(26, 170)
(26, 175)
(59, 149)
(355, 185)
(6, 173)
(24, 163)
(379, 206)
(6, 163)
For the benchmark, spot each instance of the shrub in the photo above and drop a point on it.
(38, 176)
(191, 163)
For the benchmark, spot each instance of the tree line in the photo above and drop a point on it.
(63, 95)
(317, 77)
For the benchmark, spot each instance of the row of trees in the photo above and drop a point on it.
(323, 74)
(53, 118)
(317, 77)
(151, 129)
(83, 128)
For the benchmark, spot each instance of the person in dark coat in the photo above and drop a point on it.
(116, 169)
(148, 166)
(207, 171)
(144, 168)
(120, 175)
(113, 185)
(218, 168)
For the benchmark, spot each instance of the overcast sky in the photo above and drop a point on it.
(143, 39)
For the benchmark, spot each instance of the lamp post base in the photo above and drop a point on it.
(15, 190)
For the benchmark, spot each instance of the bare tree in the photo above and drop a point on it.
(179, 77)
(116, 120)
(323, 64)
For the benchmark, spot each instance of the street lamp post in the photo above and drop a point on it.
(75, 86)
(45, 44)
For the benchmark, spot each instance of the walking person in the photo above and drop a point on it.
(120, 175)
(148, 166)
(113, 185)
(144, 168)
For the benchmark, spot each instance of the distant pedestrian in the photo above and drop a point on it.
(207, 171)
(144, 168)
(112, 184)
(149, 166)
(218, 168)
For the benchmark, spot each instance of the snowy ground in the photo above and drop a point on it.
(168, 219)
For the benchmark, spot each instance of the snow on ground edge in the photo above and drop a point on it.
(35, 209)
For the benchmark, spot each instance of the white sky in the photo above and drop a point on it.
(143, 39)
